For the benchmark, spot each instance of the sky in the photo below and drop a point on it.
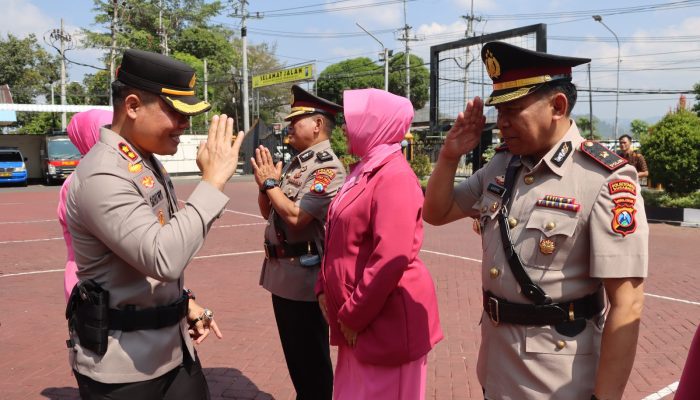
(659, 42)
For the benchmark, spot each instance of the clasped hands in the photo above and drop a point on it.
(264, 167)
(350, 335)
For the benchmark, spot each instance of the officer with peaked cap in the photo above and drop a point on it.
(130, 319)
(562, 224)
(295, 201)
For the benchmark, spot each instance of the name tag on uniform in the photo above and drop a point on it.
(498, 190)
(156, 198)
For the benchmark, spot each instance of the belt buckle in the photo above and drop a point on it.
(267, 251)
(493, 311)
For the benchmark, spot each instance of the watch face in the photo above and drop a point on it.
(208, 314)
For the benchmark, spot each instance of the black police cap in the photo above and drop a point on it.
(304, 102)
(517, 72)
(173, 80)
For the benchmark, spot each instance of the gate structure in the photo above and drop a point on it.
(457, 73)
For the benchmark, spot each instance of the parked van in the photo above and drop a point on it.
(12, 166)
(59, 157)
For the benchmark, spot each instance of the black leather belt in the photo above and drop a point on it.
(128, 319)
(503, 311)
(289, 249)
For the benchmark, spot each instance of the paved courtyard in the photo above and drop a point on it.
(248, 362)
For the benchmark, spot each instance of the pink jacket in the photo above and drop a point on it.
(84, 132)
(371, 275)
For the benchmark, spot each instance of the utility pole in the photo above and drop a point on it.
(468, 33)
(590, 101)
(386, 57)
(206, 93)
(244, 15)
(62, 37)
(113, 47)
(407, 38)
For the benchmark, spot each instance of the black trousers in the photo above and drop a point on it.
(304, 336)
(184, 382)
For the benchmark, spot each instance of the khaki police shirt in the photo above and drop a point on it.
(598, 241)
(130, 237)
(286, 277)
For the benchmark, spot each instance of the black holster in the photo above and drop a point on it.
(87, 313)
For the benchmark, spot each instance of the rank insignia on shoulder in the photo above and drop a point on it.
(127, 151)
(502, 147)
(306, 156)
(621, 185)
(562, 153)
(322, 179)
(135, 168)
(602, 155)
(324, 156)
(623, 221)
(148, 181)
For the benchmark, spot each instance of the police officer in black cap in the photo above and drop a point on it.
(295, 201)
(130, 319)
(563, 226)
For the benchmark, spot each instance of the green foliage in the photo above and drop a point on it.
(27, 68)
(672, 152)
(696, 90)
(39, 123)
(421, 165)
(97, 88)
(420, 79)
(659, 198)
(638, 128)
(356, 73)
(339, 143)
(584, 125)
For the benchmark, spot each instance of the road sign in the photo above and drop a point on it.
(300, 73)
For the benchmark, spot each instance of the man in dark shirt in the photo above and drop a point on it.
(633, 158)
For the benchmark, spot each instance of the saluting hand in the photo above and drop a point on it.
(264, 167)
(217, 157)
(466, 131)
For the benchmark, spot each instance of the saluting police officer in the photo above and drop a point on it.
(130, 319)
(295, 202)
(562, 223)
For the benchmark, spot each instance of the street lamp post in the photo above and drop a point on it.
(386, 58)
(598, 18)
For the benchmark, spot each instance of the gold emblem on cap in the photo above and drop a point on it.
(547, 246)
(192, 81)
(492, 65)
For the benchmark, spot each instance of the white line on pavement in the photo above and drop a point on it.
(450, 255)
(28, 222)
(31, 273)
(30, 240)
(663, 392)
(237, 225)
(235, 212)
(673, 299)
(242, 253)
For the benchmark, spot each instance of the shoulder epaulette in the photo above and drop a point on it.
(324, 156)
(602, 155)
(502, 147)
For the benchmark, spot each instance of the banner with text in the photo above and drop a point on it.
(300, 73)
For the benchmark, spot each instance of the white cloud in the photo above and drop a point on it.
(386, 16)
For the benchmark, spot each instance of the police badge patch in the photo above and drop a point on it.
(623, 221)
(322, 179)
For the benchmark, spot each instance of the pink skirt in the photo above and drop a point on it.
(355, 380)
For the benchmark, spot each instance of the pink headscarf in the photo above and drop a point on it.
(84, 128)
(84, 132)
(376, 122)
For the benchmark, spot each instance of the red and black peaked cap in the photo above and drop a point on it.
(517, 72)
(173, 80)
(304, 102)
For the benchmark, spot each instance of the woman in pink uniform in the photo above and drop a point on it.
(84, 132)
(378, 296)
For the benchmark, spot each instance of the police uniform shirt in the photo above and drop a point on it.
(593, 227)
(311, 180)
(130, 237)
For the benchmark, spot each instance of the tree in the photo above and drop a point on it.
(696, 90)
(420, 79)
(638, 128)
(97, 88)
(355, 73)
(672, 151)
(584, 125)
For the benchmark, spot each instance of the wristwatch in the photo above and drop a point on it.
(268, 184)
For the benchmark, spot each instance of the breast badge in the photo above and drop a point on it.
(547, 246)
(623, 221)
(559, 202)
(322, 179)
(148, 181)
(135, 168)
